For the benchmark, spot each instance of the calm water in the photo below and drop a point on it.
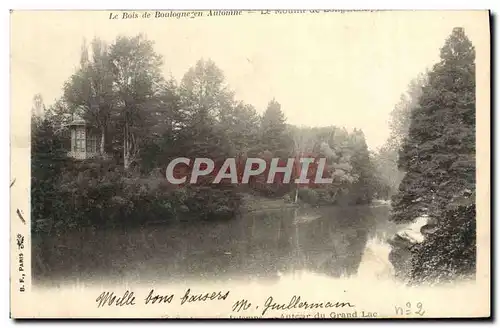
(263, 245)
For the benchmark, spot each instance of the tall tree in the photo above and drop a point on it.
(401, 114)
(204, 91)
(362, 169)
(163, 124)
(137, 80)
(205, 102)
(241, 123)
(274, 136)
(386, 158)
(38, 107)
(439, 158)
(89, 91)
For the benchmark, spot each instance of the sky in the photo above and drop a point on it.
(343, 69)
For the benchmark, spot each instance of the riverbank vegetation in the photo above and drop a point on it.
(429, 163)
(144, 120)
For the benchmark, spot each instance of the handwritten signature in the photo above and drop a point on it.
(295, 302)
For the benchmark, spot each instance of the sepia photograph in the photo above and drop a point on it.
(292, 164)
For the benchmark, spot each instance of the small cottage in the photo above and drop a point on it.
(84, 140)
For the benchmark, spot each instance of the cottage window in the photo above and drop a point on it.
(73, 140)
(79, 145)
(92, 144)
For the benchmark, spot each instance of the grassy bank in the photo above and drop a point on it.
(253, 203)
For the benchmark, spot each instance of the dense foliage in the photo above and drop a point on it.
(144, 121)
(386, 158)
(438, 157)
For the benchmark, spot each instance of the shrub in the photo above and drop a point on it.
(309, 196)
(98, 194)
(449, 252)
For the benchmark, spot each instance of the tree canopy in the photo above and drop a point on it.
(438, 156)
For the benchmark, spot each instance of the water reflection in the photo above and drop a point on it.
(329, 241)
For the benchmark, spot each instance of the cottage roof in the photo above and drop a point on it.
(77, 121)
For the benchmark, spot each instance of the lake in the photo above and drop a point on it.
(331, 241)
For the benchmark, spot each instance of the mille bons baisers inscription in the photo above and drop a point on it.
(129, 298)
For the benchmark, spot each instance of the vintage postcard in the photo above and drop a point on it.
(293, 164)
